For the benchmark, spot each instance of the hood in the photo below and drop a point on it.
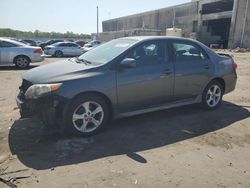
(58, 72)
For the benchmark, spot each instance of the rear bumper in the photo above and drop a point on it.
(37, 58)
(230, 83)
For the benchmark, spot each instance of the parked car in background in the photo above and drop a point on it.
(91, 45)
(61, 49)
(19, 54)
(29, 42)
(49, 42)
(220, 44)
(38, 42)
(81, 42)
(126, 77)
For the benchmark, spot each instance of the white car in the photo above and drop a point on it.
(91, 45)
(19, 54)
(61, 49)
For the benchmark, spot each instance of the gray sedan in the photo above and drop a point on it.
(13, 52)
(60, 49)
(126, 77)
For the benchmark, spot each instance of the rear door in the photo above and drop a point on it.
(150, 82)
(7, 52)
(193, 69)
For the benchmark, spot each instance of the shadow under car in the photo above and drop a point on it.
(125, 136)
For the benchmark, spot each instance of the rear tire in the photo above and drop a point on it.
(22, 61)
(86, 115)
(212, 95)
(58, 53)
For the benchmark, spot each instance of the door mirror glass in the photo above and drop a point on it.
(128, 63)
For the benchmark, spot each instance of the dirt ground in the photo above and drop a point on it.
(182, 147)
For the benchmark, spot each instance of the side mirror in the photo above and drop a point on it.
(128, 63)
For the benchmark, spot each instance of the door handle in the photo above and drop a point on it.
(167, 72)
(206, 66)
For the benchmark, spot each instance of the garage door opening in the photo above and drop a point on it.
(220, 6)
(219, 30)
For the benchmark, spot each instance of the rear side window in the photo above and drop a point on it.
(4, 44)
(186, 51)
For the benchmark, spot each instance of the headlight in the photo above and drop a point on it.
(38, 90)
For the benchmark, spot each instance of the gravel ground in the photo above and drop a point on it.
(182, 147)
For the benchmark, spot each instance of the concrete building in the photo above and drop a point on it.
(225, 22)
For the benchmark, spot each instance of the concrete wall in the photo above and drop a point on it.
(240, 26)
(158, 19)
(107, 36)
(185, 15)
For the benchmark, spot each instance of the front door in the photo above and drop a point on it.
(150, 82)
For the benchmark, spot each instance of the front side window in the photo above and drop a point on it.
(188, 52)
(149, 53)
(64, 45)
(73, 45)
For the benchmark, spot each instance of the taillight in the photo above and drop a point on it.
(235, 66)
(38, 50)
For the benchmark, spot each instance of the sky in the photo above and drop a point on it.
(78, 16)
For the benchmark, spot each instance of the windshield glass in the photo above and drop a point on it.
(108, 51)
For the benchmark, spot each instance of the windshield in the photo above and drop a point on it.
(108, 51)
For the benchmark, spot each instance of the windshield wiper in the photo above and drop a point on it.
(77, 60)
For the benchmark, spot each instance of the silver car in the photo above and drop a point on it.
(19, 54)
(61, 49)
(91, 45)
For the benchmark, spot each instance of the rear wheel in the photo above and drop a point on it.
(58, 53)
(87, 115)
(212, 95)
(22, 61)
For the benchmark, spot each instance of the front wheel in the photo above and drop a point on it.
(87, 115)
(212, 96)
(58, 53)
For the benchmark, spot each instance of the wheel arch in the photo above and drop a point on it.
(221, 81)
(97, 93)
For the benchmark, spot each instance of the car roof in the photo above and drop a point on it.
(57, 43)
(142, 38)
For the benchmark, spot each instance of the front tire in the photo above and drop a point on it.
(22, 61)
(58, 53)
(86, 116)
(212, 95)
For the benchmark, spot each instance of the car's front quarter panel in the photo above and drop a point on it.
(103, 82)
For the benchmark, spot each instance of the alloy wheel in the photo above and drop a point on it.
(213, 96)
(88, 116)
(22, 62)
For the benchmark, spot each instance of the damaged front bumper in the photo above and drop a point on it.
(48, 108)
